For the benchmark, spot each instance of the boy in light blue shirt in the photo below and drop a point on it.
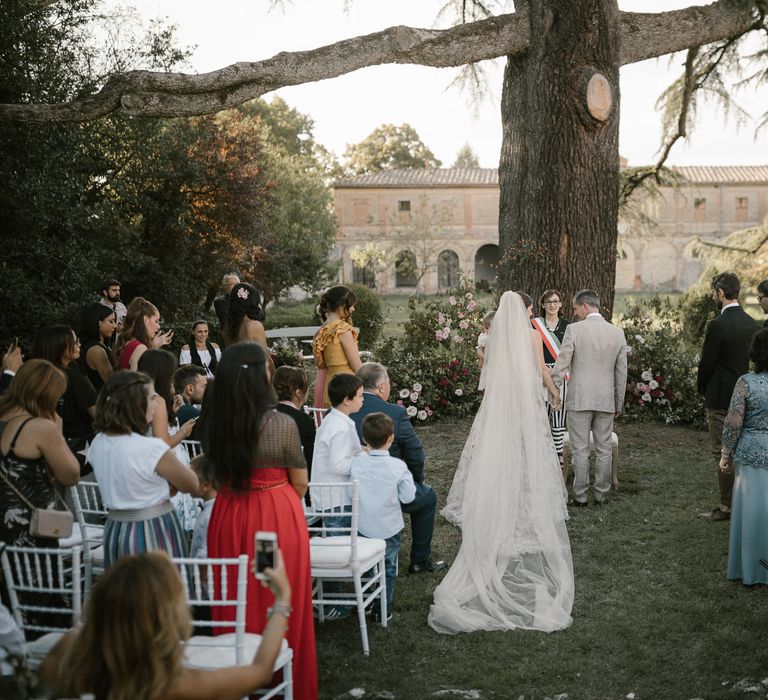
(385, 483)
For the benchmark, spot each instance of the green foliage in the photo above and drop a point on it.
(368, 317)
(432, 367)
(291, 315)
(166, 206)
(466, 158)
(662, 364)
(389, 147)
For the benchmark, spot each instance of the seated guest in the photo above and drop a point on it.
(59, 344)
(337, 442)
(406, 446)
(200, 351)
(97, 329)
(190, 382)
(135, 472)
(385, 483)
(131, 643)
(202, 467)
(34, 455)
(291, 385)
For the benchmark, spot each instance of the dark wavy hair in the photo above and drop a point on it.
(160, 366)
(233, 410)
(339, 297)
(758, 353)
(121, 406)
(52, 342)
(244, 300)
(288, 380)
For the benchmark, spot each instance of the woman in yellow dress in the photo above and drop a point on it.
(335, 344)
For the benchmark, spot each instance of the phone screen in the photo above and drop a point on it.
(265, 554)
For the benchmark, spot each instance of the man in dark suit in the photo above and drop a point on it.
(724, 358)
(406, 446)
(762, 298)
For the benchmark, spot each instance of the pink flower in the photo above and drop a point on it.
(452, 301)
(399, 402)
(457, 339)
(472, 305)
(468, 296)
(463, 325)
(441, 318)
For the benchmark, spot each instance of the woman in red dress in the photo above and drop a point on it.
(256, 460)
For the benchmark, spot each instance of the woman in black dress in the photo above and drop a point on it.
(59, 345)
(97, 327)
(291, 385)
(551, 326)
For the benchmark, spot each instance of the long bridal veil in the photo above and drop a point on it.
(514, 568)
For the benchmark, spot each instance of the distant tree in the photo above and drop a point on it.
(387, 148)
(466, 158)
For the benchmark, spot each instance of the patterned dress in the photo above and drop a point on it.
(329, 354)
(745, 432)
(32, 478)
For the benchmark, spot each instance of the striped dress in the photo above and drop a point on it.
(552, 338)
(141, 517)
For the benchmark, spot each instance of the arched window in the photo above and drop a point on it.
(447, 269)
(364, 275)
(406, 272)
(486, 266)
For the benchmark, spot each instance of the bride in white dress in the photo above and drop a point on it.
(514, 568)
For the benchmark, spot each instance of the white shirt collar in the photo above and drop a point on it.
(343, 416)
(729, 306)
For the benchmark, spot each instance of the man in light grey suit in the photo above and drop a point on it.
(594, 353)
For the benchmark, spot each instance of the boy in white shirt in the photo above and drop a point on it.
(385, 483)
(336, 444)
(199, 547)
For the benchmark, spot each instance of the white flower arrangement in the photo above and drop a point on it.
(646, 376)
(422, 415)
(404, 393)
(418, 387)
(411, 411)
(458, 392)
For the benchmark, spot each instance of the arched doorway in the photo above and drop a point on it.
(486, 266)
(448, 270)
(406, 272)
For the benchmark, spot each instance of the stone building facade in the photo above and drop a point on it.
(417, 230)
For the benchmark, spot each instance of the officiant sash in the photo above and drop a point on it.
(551, 341)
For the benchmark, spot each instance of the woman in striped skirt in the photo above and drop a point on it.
(136, 473)
(551, 326)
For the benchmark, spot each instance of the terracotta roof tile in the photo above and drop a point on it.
(488, 177)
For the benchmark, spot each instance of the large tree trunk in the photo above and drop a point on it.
(559, 168)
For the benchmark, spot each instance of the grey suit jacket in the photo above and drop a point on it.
(594, 354)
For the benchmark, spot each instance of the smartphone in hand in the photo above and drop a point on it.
(264, 548)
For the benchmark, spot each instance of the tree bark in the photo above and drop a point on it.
(559, 167)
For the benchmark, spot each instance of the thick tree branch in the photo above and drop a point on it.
(646, 35)
(177, 94)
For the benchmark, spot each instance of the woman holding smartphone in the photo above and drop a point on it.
(261, 476)
(139, 605)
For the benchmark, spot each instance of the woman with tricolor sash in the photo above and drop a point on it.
(551, 326)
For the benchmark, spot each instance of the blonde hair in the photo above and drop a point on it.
(131, 644)
(36, 388)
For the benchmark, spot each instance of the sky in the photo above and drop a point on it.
(346, 109)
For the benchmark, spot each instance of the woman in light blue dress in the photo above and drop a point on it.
(745, 449)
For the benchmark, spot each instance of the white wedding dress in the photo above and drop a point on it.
(514, 567)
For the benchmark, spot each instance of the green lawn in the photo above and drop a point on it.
(654, 614)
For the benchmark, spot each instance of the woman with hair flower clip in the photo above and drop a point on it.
(244, 320)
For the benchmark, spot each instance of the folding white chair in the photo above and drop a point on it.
(45, 593)
(194, 448)
(341, 554)
(204, 578)
(91, 515)
(316, 414)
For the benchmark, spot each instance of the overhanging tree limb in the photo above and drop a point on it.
(177, 94)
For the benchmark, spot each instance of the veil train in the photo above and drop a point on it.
(514, 567)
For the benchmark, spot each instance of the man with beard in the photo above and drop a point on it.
(724, 358)
(110, 296)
